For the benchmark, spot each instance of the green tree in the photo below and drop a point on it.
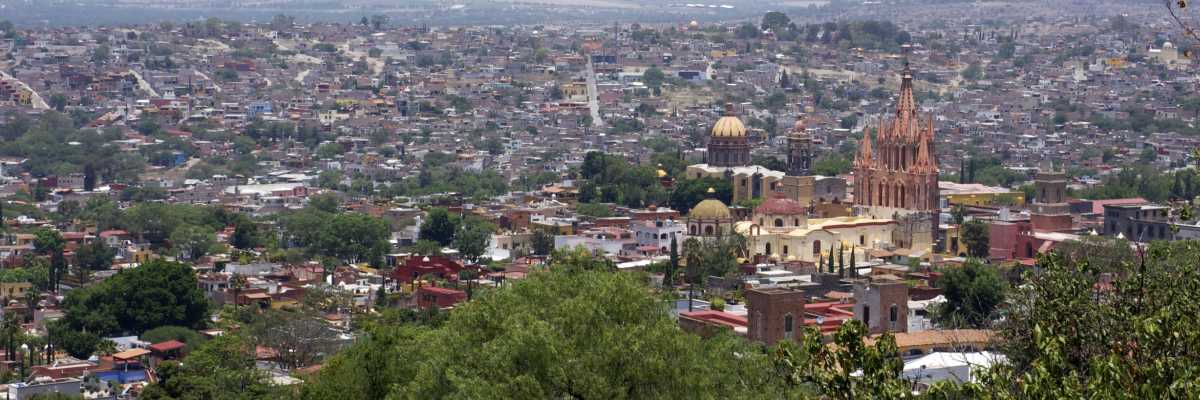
(77, 344)
(975, 237)
(812, 366)
(653, 77)
(101, 54)
(222, 368)
(439, 226)
(89, 177)
(673, 266)
(1079, 328)
(192, 242)
(155, 294)
(472, 239)
(355, 237)
(973, 292)
(48, 241)
(775, 21)
(57, 101)
(973, 72)
(426, 247)
(188, 336)
(541, 242)
(245, 235)
(95, 255)
(554, 333)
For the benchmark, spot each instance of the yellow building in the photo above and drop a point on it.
(781, 231)
(574, 89)
(14, 290)
(974, 194)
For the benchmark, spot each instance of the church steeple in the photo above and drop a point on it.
(899, 170)
(864, 157)
(799, 149)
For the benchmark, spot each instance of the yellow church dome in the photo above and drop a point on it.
(710, 209)
(729, 126)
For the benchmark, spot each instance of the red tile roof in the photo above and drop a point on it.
(167, 346)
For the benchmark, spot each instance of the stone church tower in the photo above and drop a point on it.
(799, 144)
(1050, 211)
(900, 170)
(897, 176)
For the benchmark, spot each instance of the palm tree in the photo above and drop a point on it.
(692, 254)
(237, 282)
(10, 328)
(106, 347)
(31, 302)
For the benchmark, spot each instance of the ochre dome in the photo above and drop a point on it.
(729, 126)
(710, 209)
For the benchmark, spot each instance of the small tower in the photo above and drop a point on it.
(882, 306)
(799, 160)
(775, 314)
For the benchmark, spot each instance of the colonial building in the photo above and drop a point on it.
(781, 230)
(897, 176)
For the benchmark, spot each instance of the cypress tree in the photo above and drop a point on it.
(669, 275)
(89, 177)
(831, 258)
(841, 261)
(853, 270)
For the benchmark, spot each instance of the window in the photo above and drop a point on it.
(796, 222)
(892, 311)
(788, 323)
(862, 240)
(816, 248)
(867, 315)
(768, 249)
(778, 222)
(785, 250)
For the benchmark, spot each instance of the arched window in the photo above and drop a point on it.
(796, 222)
(862, 240)
(767, 249)
(708, 230)
(816, 247)
(788, 326)
(692, 230)
(785, 250)
(778, 222)
(893, 312)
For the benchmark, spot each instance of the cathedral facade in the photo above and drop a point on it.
(899, 170)
(896, 176)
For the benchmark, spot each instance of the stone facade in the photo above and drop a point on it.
(883, 307)
(775, 314)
